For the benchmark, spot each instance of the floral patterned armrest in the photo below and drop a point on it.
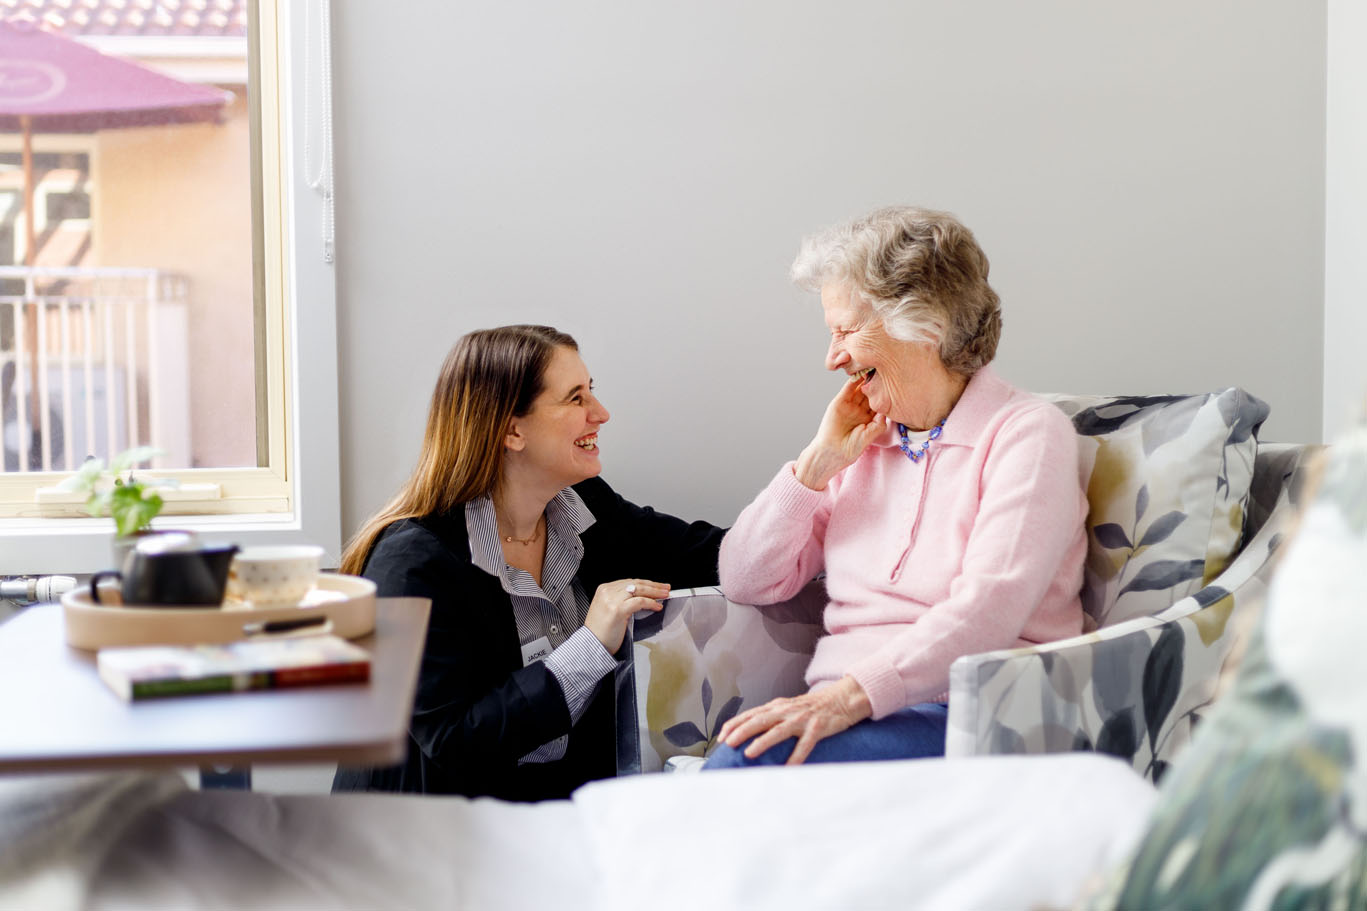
(703, 659)
(1135, 689)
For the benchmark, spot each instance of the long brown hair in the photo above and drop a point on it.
(490, 377)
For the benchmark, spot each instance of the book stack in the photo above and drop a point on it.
(149, 672)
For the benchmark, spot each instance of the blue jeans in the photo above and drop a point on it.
(913, 733)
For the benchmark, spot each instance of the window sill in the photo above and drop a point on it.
(185, 497)
(44, 546)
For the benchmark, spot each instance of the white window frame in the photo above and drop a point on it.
(302, 476)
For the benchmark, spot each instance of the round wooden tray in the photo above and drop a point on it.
(348, 601)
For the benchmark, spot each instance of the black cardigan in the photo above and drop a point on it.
(477, 709)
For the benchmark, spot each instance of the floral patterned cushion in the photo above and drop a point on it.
(1268, 804)
(702, 659)
(1168, 493)
(1136, 689)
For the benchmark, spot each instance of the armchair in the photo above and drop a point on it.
(1187, 510)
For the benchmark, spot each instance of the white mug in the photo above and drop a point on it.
(274, 576)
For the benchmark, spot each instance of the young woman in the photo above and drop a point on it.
(534, 567)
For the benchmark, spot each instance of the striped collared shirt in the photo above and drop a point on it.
(555, 609)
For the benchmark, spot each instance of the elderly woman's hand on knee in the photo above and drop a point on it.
(810, 718)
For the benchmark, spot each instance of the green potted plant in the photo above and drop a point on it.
(133, 502)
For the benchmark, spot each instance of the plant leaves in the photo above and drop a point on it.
(1170, 422)
(1162, 527)
(1210, 594)
(1116, 413)
(1141, 502)
(798, 638)
(130, 457)
(703, 616)
(97, 504)
(1118, 736)
(85, 476)
(1162, 679)
(1162, 574)
(1111, 536)
(127, 499)
(728, 711)
(1003, 739)
(647, 624)
(1116, 674)
(132, 508)
(684, 734)
(706, 696)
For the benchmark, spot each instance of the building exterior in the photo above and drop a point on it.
(176, 199)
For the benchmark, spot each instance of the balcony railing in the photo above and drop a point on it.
(92, 361)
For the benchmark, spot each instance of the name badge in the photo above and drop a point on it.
(535, 650)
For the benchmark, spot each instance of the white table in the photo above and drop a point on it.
(57, 715)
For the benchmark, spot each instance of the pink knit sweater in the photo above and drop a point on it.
(980, 547)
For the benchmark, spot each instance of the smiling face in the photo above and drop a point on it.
(556, 441)
(896, 374)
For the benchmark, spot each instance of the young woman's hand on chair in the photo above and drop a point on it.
(615, 602)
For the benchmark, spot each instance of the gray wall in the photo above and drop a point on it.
(1148, 180)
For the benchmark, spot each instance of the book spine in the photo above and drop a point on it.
(348, 672)
(179, 686)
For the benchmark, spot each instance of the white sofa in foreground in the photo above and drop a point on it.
(994, 832)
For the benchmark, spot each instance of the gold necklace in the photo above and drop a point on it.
(525, 542)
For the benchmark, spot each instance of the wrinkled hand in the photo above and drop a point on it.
(846, 430)
(615, 602)
(809, 717)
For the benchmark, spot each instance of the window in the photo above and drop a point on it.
(255, 451)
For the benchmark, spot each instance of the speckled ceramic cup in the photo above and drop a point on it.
(274, 576)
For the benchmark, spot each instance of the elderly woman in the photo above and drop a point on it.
(945, 506)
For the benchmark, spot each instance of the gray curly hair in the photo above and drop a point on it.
(921, 271)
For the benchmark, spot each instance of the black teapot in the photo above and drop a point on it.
(171, 570)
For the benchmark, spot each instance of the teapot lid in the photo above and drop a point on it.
(168, 542)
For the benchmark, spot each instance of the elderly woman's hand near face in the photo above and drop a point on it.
(846, 430)
(809, 717)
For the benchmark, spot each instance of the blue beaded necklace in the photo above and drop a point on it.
(918, 453)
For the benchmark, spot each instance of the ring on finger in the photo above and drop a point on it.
(631, 588)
